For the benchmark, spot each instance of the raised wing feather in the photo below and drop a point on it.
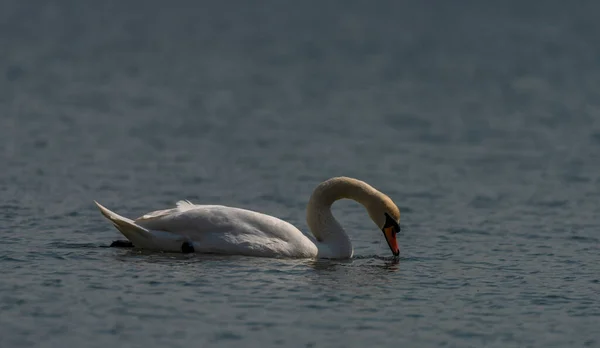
(181, 207)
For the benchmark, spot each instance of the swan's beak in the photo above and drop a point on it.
(390, 237)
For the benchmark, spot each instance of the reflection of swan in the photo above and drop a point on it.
(226, 230)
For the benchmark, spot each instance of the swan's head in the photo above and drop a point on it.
(386, 215)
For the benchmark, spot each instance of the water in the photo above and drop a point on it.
(479, 120)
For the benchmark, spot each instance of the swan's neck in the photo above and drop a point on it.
(323, 225)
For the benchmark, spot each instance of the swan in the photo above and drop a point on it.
(228, 230)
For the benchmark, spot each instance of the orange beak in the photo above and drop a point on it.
(390, 237)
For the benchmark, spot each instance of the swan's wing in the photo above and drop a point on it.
(220, 228)
(185, 217)
(190, 220)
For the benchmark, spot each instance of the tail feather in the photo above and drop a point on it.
(136, 234)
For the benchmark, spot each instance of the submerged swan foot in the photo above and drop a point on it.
(121, 244)
(187, 248)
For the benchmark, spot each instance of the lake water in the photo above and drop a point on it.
(480, 120)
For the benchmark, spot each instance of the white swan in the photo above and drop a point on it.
(227, 230)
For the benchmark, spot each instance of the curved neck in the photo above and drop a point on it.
(321, 221)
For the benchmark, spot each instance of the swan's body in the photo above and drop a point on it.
(227, 230)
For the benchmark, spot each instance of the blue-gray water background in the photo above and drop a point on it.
(480, 119)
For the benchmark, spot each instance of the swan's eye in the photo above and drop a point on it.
(390, 222)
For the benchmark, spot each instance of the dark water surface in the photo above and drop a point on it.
(481, 120)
